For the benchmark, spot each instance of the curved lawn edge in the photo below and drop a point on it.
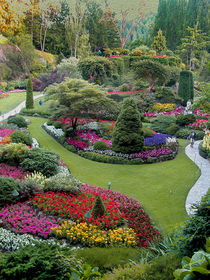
(161, 188)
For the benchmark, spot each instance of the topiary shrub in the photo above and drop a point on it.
(7, 188)
(100, 145)
(161, 123)
(19, 121)
(29, 95)
(98, 208)
(40, 160)
(128, 135)
(13, 153)
(186, 86)
(172, 129)
(183, 120)
(21, 137)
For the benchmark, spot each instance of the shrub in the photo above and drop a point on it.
(183, 120)
(29, 95)
(98, 208)
(42, 261)
(152, 52)
(13, 153)
(147, 132)
(8, 186)
(100, 145)
(19, 121)
(70, 148)
(21, 137)
(186, 87)
(203, 152)
(40, 160)
(161, 123)
(28, 188)
(185, 133)
(124, 87)
(137, 52)
(128, 136)
(172, 129)
(167, 95)
(57, 124)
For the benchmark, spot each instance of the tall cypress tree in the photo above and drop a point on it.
(186, 88)
(29, 95)
(128, 136)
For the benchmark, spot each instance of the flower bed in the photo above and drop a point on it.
(167, 107)
(198, 124)
(12, 171)
(22, 218)
(138, 220)
(75, 207)
(156, 139)
(155, 114)
(92, 137)
(90, 235)
(5, 132)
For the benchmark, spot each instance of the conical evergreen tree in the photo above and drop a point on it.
(98, 208)
(29, 95)
(128, 136)
(186, 88)
(159, 43)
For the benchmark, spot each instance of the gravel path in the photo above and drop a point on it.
(17, 109)
(203, 183)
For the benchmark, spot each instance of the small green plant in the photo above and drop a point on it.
(7, 191)
(86, 272)
(21, 137)
(100, 145)
(19, 121)
(57, 124)
(98, 208)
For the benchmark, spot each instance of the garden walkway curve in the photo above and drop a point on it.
(17, 109)
(202, 185)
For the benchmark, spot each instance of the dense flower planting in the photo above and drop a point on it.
(199, 123)
(2, 94)
(77, 143)
(92, 137)
(22, 218)
(199, 113)
(68, 121)
(5, 132)
(12, 171)
(167, 107)
(5, 140)
(90, 235)
(155, 114)
(153, 153)
(206, 142)
(138, 220)
(75, 207)
(156, 139)
(128, 91)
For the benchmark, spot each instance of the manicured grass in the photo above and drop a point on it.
(40, 109)
(161, 188)
(10, 102)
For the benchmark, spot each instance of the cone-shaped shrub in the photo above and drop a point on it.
(98, 208)
(128, 135)
(29, 95)
(186, 88)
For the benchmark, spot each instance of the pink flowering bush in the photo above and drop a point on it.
(198, 124)
(138, 220)
(92, 137)
(153, 153)
(12, 171)
(22, 218)
(5, 132)
(77, 143)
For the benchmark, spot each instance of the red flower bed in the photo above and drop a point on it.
(136, 216)
(74, 207)
(199, 123)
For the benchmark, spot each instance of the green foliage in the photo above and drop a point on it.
(19, 121)
(195, 268)
(13, 153)
(98, 208)
(40, 160)
(203, 152)
(67, 184)
(57, 124)
(144, 101)
(183, 120)
(167, 95)
(203, 102)
(159, 43)
(106, 259)
(42, 261)
(86, 272)
(184, 133)
(8, 186)
(128, 136)
(161, 123)
(137, 52)
(100, 145)
(21, 137)
(70, 148)
(5, 72)
(28, 188)
(147, 132)
(192, 235)
(124, 87)
(29, 95)
(172, 129)
(186, 87)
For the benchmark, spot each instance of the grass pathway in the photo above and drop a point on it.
(161, 188)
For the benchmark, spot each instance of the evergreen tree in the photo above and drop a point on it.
(29, 95)
(98, 208)
(159, 43)
(128, 136)
(186, 88)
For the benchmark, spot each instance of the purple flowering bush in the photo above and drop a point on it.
(22, 218)
(156, 139)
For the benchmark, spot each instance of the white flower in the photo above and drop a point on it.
(57, 132)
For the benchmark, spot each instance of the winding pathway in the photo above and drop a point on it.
(17, 109)
(202, 185)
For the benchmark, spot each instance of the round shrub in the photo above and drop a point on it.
(7, 195)
(57, 124)
(13, 153)
(100, 145)
(137, 52)
(21, 137)
(70, 148)
(172, 129)
(28, 188)
(147, 132)
(19, 121)
(183, 120)
(40, 160)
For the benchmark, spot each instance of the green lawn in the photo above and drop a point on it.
(42, 110)
(149, 184)
(10, 102)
